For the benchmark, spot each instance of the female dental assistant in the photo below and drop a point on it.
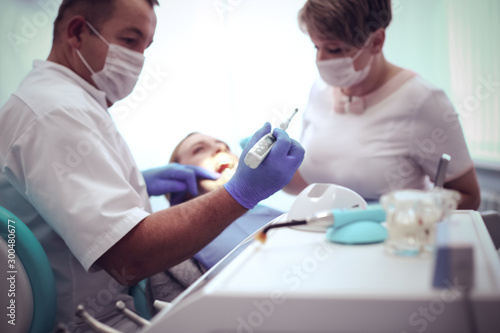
(372, 126)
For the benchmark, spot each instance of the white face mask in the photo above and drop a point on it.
(340, 72)
(121, 70)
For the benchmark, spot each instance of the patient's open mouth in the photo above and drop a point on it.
(223, 167)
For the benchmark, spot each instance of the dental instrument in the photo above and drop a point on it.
(261, 149)
(441, 171)
(335, 218)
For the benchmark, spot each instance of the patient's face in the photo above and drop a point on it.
(210, 153)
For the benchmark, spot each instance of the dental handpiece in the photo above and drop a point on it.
(261, 149)
(335, 218)
(340, 217)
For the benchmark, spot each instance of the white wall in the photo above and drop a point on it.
(224, 68)
(222, 72)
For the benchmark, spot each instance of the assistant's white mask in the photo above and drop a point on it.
(121, 70)
(340, 72)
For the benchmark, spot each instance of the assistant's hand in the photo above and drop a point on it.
(249, 186)
(244, 142)
(176, 179)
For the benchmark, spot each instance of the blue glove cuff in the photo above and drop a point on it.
(235, 194)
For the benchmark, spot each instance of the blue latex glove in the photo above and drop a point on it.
(249, 186)
(176, 179)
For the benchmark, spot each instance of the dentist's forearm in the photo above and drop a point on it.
(468, 187)
(170, 236)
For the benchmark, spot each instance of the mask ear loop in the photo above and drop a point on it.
(84, 61)
(97, 33)
(80, 54)
(368, 40)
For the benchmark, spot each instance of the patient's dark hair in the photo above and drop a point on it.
(95, 11)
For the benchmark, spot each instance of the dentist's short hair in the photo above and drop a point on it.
(95, 11)
(349, 21)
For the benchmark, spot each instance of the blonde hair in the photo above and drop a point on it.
(350, 21)
(174, 158)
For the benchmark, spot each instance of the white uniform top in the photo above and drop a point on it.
(69, 175)
(389, 139)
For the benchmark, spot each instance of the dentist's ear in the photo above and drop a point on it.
(74, 30)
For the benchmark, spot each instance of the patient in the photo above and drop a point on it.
(213, 154)
(207, 152)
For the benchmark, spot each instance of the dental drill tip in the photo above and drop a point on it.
(285, 123)
(120, 305)
(79, 310)
(261, 237)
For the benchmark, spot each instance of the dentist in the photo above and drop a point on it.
(69, 175)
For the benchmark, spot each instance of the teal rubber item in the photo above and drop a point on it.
(138, 292)
(37, 266)
(342, 217)
(356, 233)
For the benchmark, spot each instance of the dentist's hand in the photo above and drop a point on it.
(176, 179)
(249, 186)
